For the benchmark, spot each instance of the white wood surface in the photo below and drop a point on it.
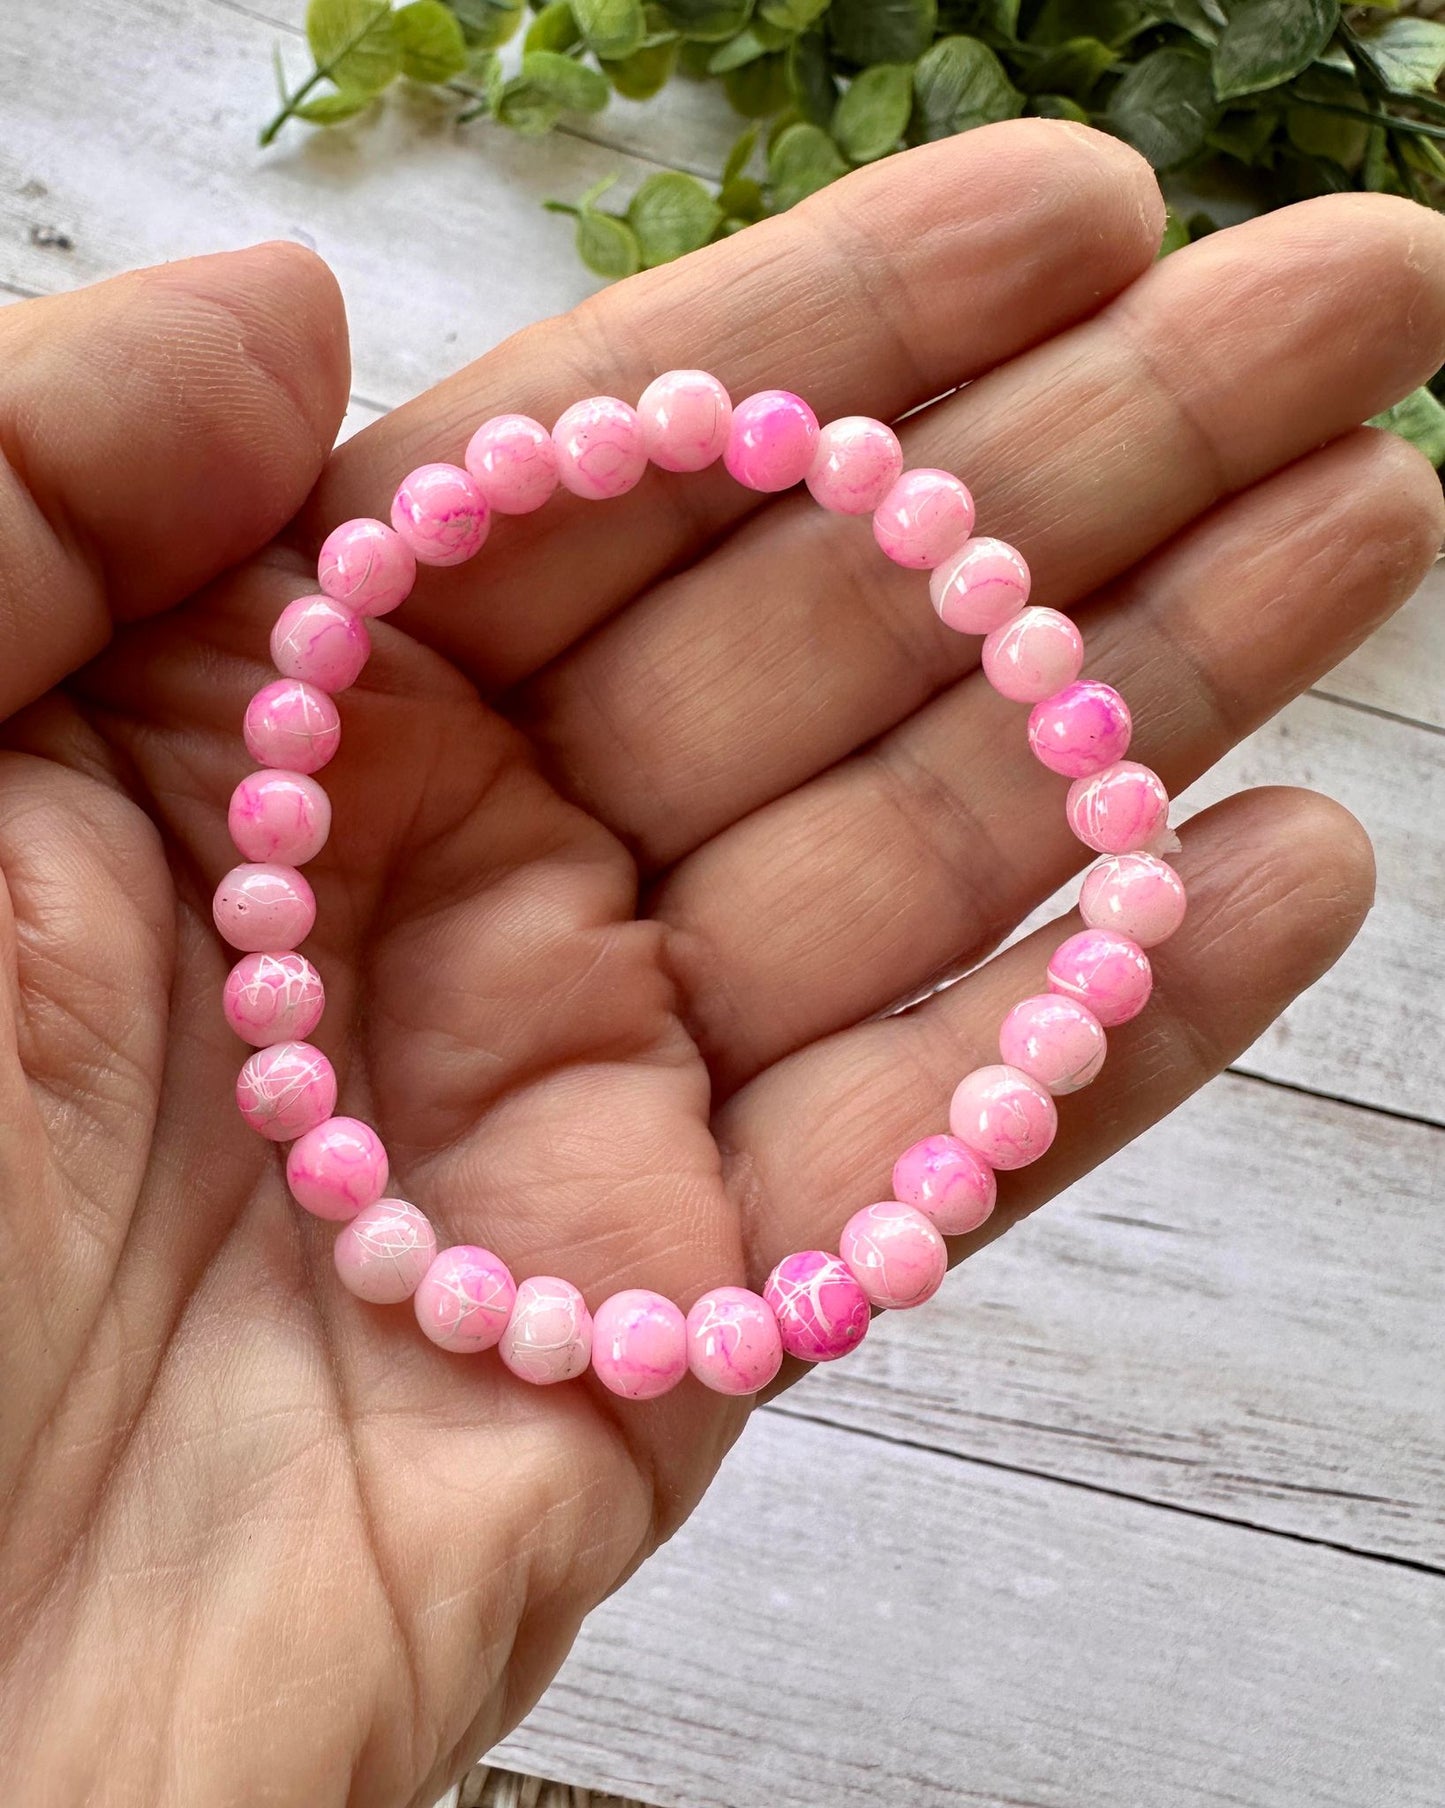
(1149, 1509)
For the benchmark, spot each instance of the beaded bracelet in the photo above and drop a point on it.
(815, 1304)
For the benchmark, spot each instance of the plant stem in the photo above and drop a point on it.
(321, 73)
(1391, 121)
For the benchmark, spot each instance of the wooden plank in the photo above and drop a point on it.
(1401, 667)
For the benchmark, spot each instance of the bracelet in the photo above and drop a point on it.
(816, 1304)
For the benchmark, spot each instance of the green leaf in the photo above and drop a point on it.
(484, 74)
(1057, 106)
(740, 156)
(611, 28)
(432, 46)
(331, 109)
(526, 109)
(607, 245)
(1327, 136)
(648, 69)
(1176, 234)
(1408, 53)
(1071, 68)
(1420, 418)
(881, 31)
(1202, 19)
(745, 48)
(670, 215)
(743, 199)
(792, 15)
(354, 43)
(1267, 42)
(979, 18)
(758, 88)
(1244, 135)
(959, 83)
(487, 24)
(574, 86)
(803, 160)
(810, 78)
(554, 28)
(1111, 21)
(873, 114)
(1165, 106)
(708, 21)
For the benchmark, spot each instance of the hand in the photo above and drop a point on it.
(641, 820)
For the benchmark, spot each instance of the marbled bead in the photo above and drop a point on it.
(686, 416)
(821, 1310)
(291, 724)
(513, 463)
(382, 1254)
(857, 463)
(980, 587)
(1080, 729)
(1003, 1115)
(264, 907)
(321, 641)
(271, 998)
(947, 1182)
(281, 816)
(772, 441)
(1137, 895)
(925, 517)
(337, 1168)
(285, 1090)
(895, 1254)
(733, 1342)
(465, 1298)
(441, 514)
(1035, 654)
(367, 566)
(1119, 810)
(1054, 1040)
(549, 1335)
(639, 1344)
(601, 451)
(1107, 973)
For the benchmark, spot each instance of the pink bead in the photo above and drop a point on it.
(639, 1344)
(513, 463)
(281, 816)
(1003, 1115)
(1032, 656)
(272, 998)
(549, 1335)
(772, 441)
(1106, 972)
(383, 1253)
(367, 566)
(1054, 1040)
(293, 725)
(857, 463)
(321, 641)
(1080, 729)
(465, 1298)
(686, 416)
(895, 1254)
(259, 908)
(441, 514)
(286, 1090)
(337, 1168)
(601, 452)
(821, 1310)
(733, 1342)
(947, 1182)
(1119, 810)
(980, 587)
(1136, 895)
(925, 516)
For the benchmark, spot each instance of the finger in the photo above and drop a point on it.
(917, 856)
(892, 285)
(156, 428)
(797, 642)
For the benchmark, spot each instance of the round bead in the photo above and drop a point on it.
(895, 1254)
(441, 514)
(1119, 810)
(639, 1344)
(293, 725)
(367, 566)
(337, 1168)
(821, 1310)
(925, 516)
(549, 1335)
(1003, 1115)
(513, 463)
(281, 816)
(980, 587)
(686, 416)
(1108, 973)
(1032, 656)
(264, 907)
(321, 641)
(1137, 895)
(733, 1342)
(272, 998)
(1054, 1040)
(465, 1298)
(601, 452)
(947, 1182)
(286, 1090)
(772, 441)
(1081, 729)
(857, 463)
(383, 1253)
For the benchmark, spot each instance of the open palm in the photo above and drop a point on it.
(642, 822)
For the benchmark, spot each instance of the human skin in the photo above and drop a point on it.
(640, 819)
